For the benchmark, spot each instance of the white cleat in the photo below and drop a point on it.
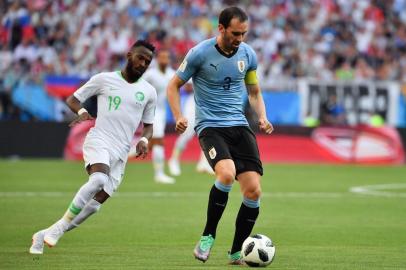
(164, 179)
(204, 167)
(174, 167)
(37, 246)
(52, 235)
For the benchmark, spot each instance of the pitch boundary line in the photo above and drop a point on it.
(380, 190)
(163, 194)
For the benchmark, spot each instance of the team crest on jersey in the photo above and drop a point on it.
(241, 65)
(212, 153)
(139, 96)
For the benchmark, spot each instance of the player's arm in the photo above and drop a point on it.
(75, 105)
(173, 95)
(257, 102)
(142, 145)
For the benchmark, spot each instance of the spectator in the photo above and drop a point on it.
(332, 112)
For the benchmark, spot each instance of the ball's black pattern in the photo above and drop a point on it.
(249, 248)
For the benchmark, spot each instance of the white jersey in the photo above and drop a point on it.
(121, 107)
(160, 81)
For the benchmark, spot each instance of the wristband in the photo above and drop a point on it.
(82, 110)
(143, 139)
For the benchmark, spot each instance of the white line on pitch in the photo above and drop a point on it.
(175, 194)
(381, 190)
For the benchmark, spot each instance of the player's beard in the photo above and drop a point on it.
(133, 74)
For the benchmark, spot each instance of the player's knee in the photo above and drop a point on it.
(101, 196)
(98, 180)
(253, 193)
(225, 177)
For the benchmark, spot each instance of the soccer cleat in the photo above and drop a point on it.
(204, 167)
(174, 167)
(164, 179)
(52, 235)
(235, 258)
(203, 247)
(37, 246)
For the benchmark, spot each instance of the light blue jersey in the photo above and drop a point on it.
(218, 82)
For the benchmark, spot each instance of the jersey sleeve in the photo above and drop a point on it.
(149, 110)
(189, 65)
(91, 88)
(252, 57)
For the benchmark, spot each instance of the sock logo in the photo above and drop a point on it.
(212, 153)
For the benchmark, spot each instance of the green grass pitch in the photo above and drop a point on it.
(307, 210)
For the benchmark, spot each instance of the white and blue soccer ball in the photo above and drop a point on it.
(258, 251)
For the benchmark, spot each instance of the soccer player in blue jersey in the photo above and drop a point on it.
(222, 69)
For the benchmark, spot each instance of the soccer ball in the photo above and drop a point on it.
(258, 251)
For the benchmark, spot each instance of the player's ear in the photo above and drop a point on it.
(129, 54)
(221, 28)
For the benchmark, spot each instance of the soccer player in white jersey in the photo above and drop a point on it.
(159, 77)
(124, 101)
(203, 165)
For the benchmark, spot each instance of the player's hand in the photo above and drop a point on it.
(265, 125)
(83, 117)
(141, 150)
(181, 124)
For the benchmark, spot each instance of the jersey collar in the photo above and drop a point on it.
(121, 76)
(223, 53)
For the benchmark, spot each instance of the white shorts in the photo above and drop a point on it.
(159, 122)
(94, 152)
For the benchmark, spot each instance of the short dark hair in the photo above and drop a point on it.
(143, 43)
(229, 13)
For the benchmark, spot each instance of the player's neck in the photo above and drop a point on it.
(223, 48)
(162, 68)
(127, 77)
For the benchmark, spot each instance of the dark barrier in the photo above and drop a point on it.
(32, 139)
(402, 133)
(47, 139)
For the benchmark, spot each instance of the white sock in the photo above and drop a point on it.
(158, 159)
(90, 208)
(96, 182)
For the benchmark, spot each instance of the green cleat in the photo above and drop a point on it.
(235, 258)
(203, 247)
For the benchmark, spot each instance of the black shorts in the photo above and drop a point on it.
(237, 143)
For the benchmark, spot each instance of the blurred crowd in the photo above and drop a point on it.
(325, 39)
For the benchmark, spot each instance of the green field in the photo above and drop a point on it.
(307, 210)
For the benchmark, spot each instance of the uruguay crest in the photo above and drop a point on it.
(241, 66)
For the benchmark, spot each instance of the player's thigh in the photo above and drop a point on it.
(216, 149)
(159, 123)
(250, 184)
(245, 152)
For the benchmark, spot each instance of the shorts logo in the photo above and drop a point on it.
(139, 96)
(182, 66)
(212, 153)
(241, 66)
